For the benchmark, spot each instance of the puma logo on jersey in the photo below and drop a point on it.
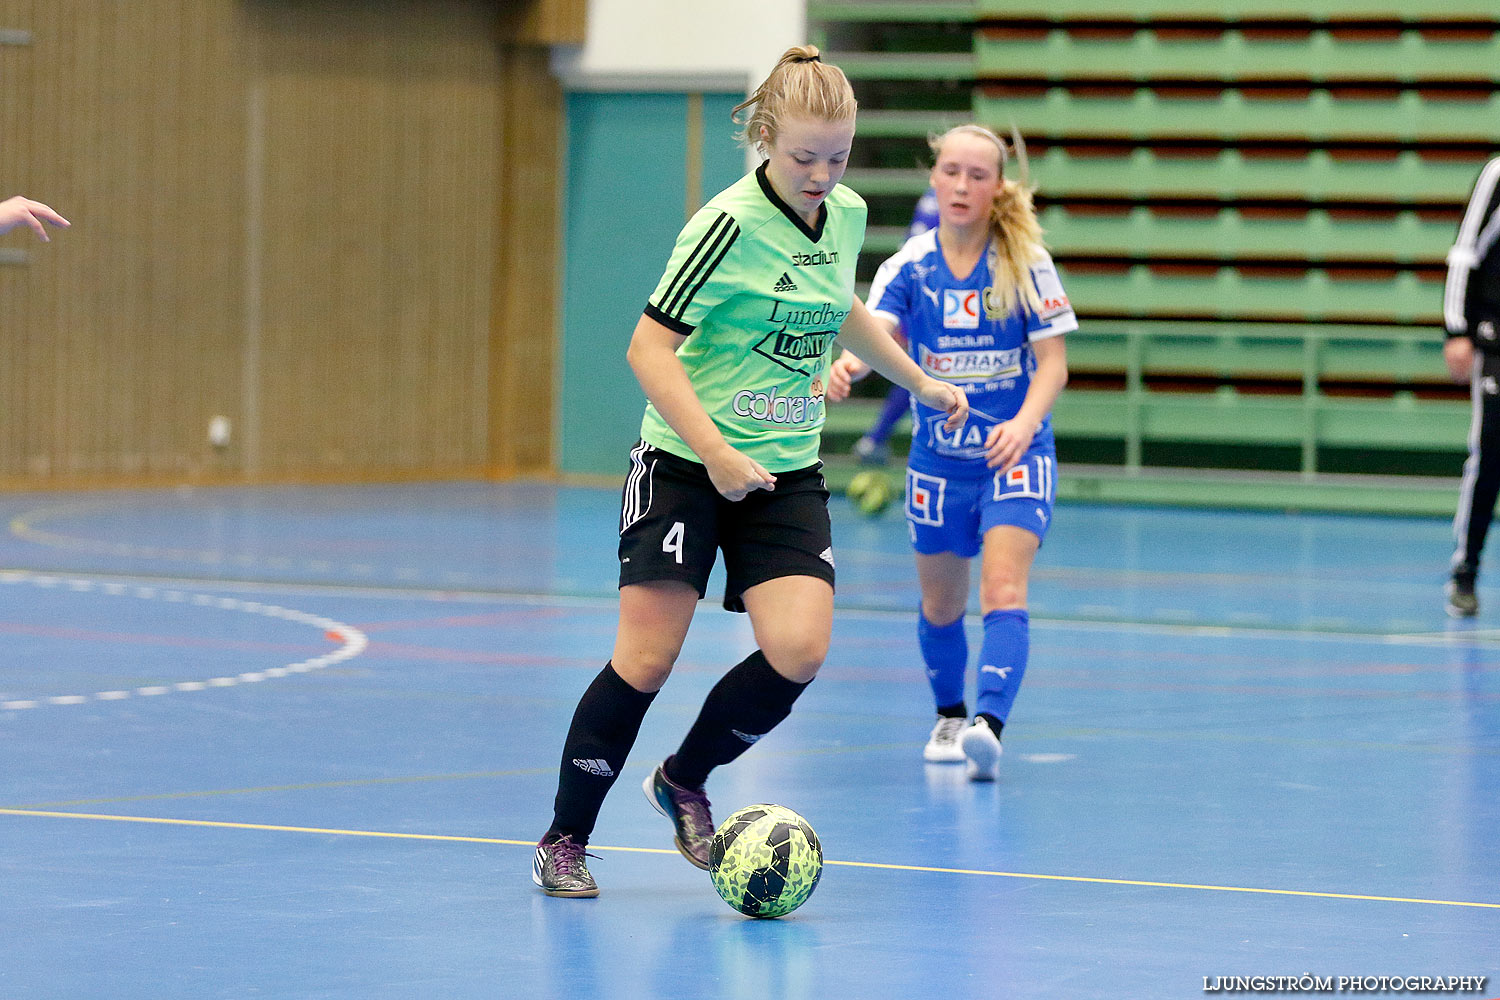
(784, 284)
(597, 767)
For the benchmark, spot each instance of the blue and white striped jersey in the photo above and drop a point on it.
(955, 334)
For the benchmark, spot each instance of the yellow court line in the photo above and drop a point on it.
(450, 838)
(385, 834)
(1169, 885)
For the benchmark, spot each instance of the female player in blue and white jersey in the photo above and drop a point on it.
(979, 305)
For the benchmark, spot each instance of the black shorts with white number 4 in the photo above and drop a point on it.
(673, 523)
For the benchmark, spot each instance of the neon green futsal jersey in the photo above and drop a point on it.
(760, 296)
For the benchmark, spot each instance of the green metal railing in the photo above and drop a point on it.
(1300, 362)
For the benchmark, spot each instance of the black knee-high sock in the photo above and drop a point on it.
(746, 704)
(604, 728)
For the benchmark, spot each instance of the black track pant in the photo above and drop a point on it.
(1481, 478)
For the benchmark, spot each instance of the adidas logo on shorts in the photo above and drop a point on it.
(827, 556)
(596, 766)
(784, 284)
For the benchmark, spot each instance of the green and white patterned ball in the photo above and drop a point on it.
(765, 860)
(871, 491)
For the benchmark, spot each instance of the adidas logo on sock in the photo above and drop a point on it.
(598, 767)
(784, 284)
(747, 737)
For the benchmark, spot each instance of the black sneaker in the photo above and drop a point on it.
(560, 870)
(1462, 601)
(688, 811)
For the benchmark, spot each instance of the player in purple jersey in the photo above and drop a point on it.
(978, 304)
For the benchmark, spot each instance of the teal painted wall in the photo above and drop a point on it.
(723, 157)
(624, 205)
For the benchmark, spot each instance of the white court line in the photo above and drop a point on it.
(353, 640)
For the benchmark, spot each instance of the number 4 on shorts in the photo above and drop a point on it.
(673, 542)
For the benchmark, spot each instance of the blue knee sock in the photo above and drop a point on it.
(1002, 660)
(945, 650)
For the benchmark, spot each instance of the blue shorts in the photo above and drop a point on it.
(952, 513)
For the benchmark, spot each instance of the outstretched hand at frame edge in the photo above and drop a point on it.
(19, 211)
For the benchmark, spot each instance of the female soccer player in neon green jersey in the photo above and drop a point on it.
(733, 353)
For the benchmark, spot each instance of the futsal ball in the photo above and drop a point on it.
(871, 491)
(765, 860)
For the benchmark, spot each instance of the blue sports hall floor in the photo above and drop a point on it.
(298, 742)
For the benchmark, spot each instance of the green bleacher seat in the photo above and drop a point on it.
(1238, 293)
(1232, 417)
(1063, 173)
(1316, 175)
(905, 65)
(1320, 115)
(908, 124)
(1220, 10)
(884, 240)
(1226, 234)
(1233, 55)
(1322, 352)
(890, 10)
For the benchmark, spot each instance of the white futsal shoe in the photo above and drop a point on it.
(942, 746)
(982, 748)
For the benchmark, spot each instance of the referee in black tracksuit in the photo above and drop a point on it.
(1471, 314)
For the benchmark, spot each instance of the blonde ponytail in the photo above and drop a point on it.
(800, 85)
(1017, 233)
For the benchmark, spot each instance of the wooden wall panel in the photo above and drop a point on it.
(287, 212)
(380, 126)
(128, 129)
(19, 297)
(524, 350)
